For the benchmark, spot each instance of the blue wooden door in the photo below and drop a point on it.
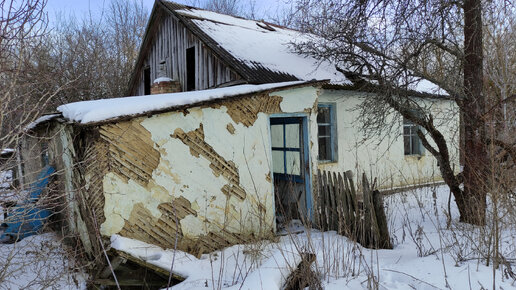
(290, 167)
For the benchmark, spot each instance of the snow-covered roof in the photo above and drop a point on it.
(260, 46)
(108, 109)
(7, 151)
(263, 53)
(41, 120)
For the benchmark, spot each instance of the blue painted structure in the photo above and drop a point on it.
(27, 218)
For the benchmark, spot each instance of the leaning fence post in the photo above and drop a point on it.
(344, 217)
(384, 241)
(334, 195)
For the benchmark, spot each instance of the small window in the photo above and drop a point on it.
(190, 69)
(327, 132)
(146, 81)
(411, 141)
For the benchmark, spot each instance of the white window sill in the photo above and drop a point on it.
(325, 162)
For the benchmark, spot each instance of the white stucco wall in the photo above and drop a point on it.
(386, 160)
(182, 174)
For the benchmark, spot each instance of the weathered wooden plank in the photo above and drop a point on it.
(367, 233)
(319, 205)
(338, 209)
(170, 43)
(334, 198)
(326, 200)
(148, 265)
(384, 240)
(343, 207)
(353, 193)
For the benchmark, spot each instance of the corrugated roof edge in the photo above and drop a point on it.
(368, 87)
(312, 83)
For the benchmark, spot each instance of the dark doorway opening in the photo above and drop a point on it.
(190, 69)
(146, 81)
(291, 169)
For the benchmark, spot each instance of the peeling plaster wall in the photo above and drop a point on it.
(213, 172)
(387, 161)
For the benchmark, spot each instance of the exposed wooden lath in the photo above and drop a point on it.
(131, 151)
(198, 147)
(96, 167)
(163, 231)
(245, 111)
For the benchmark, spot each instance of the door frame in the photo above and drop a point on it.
(306, 158)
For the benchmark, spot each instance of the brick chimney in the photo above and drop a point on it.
(164, 84)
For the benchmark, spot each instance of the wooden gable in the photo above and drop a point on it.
(167, 40)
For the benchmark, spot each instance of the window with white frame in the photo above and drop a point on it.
(411, 142)
(327, 132)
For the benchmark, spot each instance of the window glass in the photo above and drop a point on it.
(286, 139)
(292, 135)
(411, 142)
(278, 164)
(326, 132)
(293, 162)
(406, 144)
(324, 148)
(277, 135)
(323, 114)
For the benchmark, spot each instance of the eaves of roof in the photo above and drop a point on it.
(313, 83)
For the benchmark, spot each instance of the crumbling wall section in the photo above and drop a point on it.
(200, 177)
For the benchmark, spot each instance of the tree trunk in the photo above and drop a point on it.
(472, 202)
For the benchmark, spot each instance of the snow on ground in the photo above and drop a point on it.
(100, 110)
(426, 254)
(38, 262)
(6, 178)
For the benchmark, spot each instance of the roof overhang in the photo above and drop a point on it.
(267, 89)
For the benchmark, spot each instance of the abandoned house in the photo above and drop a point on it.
(226, 126)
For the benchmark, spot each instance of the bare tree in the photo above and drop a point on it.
(22, 25)
(24, 91)
(500, 69)
(246, 8)
(389, 46)
(40, 68)
(95, 54)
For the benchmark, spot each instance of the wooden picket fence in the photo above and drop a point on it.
(342, 210)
